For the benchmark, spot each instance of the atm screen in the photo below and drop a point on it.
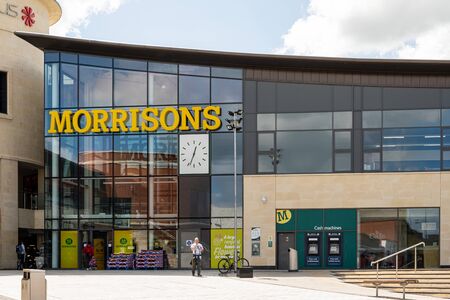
(334, 249)
(313, 249)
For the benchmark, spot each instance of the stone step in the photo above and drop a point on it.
(443, 277)
(444, 286)
(421, 281)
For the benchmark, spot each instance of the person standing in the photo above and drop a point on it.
(88, 252)
(20, 250)
(197, 250)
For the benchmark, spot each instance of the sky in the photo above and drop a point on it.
(404, 29)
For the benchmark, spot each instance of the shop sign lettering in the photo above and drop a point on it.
(283, 216)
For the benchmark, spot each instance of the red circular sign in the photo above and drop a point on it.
(28, 16)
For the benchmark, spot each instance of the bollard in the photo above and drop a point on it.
(34, 285)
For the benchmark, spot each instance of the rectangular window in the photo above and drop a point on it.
(222, 159)
(130, 155)
(51, 86)
(305, 151)
(163, 197)
(130, 88)
(371, 119)
(194, 90)
(95, 156)
(96, 198)
(222, 196)
(411, 149)
(226, 90)
(69, 85)
(342, 151)
(267, 157)
(130, 197)
(162, 89)
(372, 150)
(343, 120)
(412, 118)
(304, 121)
(265, 122)
(163, 154)
(195, 196)
(95, 87)
(3, 93)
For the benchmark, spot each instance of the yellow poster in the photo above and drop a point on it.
(222, 243)
(99, 253)
(123, 241)
(69, 249)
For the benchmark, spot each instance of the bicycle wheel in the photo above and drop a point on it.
(242, 262)
(223, 266)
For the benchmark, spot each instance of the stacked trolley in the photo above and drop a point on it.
(150, 260)
(120, 262)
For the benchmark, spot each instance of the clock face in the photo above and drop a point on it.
(194, 154)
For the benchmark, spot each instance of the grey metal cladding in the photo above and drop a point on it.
(304, 97)
(266, 93)
(249, 122)
(357, 98)
(445, 96)
(250, 153)
(357, 151)
(411, 98)
(372, 98)
(249, 96)
(343, 98)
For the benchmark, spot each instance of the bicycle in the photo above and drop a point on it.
(226, 264)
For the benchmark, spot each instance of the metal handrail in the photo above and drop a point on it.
(377, 262)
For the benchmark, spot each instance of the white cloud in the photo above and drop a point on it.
(372, 28)
(76, 14)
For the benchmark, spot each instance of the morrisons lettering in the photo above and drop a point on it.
(133, 120)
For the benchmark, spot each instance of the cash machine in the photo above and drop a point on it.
(313, 249)
(334, 249)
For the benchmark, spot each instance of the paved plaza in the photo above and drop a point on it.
(89, 285)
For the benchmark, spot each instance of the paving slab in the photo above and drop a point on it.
(180, 284)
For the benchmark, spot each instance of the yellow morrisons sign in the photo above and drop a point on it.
(135, 119)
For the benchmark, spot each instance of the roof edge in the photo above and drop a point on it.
(54, 11)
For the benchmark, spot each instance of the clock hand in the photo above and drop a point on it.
(193, 154)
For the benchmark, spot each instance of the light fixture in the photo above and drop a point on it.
(264, 199)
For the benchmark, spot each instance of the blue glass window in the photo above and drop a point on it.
(95, 87)
(69, 85)
(412, 118)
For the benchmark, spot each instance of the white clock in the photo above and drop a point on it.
(194, 154)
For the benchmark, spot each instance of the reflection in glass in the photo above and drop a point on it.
(194, 70)
(162, 89)
(226, 90)
(411, 149)
(343, 120)
(222, 196)
(69, 198)
(162, 67)
(130, 197)
(130, 64)
(371, 119)
(194, 196)
(411, 118)
(342, 140)
(342, 162)
(69, 156)
(95, 157)
(372, 150)
(305, 151)
(225, 109)
(130, 155)
(96, 198)
(130, 88)
(163, 152)
(69, 85)
(265, 122)
(51, 157)
(51, 85)
(163, 197)
(222, 157)
(304, 121)
(95, 87)
(194, 90)
(226, 72)
(266, 153)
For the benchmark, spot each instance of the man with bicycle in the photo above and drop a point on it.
(197, 250)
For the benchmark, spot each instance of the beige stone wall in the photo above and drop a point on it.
(353, 190)
(21, 130)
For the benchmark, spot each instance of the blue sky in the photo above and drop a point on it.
(344, 28)
(232, 25)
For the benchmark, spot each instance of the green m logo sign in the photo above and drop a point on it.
(69, 241)
(283, 216)
(123, 241)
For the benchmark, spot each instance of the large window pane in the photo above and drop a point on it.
(130, 197)
(265, 122)
(222, 157)
(95, 87)
(163, 197)
(51, 157)
(96, 198)
(342, 162)
(194, 70)
(194, 90)
(411, 149)
(69, 156)
(226, 90)
(343, 120)
(130, 88)
(267, 156)
(163, 152)
(226, 72)
(371, 119)
(225, 109)
(69, 85)
(69, 198)
(194, 196)
(304, 121)
(162, 89)
(95, 157)
(51, 85)
(165, 240)
(162, 67)
(372, 150)
(305, 152)
(130, 155)
(222, 196)
(411, 118)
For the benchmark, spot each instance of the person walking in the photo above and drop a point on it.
(197, 250)
(88, 252)
(20, 250)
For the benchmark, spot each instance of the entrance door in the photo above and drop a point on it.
(285, 240)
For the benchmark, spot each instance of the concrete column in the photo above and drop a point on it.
(445, 220)
(9, 213)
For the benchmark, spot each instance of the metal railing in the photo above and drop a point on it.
(377, 262)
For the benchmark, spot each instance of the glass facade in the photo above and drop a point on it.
(114, 186)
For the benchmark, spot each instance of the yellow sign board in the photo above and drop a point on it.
(69, 249)
(123, 241)
(99, 253)
(148, 119)
(283, 216)
(222, 243)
